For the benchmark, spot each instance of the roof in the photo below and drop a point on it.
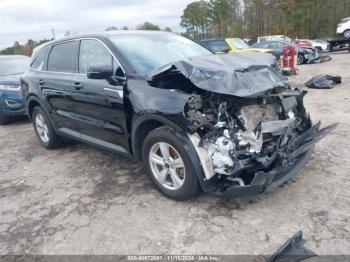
(103, 34)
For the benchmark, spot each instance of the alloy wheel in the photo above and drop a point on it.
(167, 165)
(41, 128)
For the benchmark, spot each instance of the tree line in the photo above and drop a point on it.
(28, 47)
(23, 49)
(253, 18)
(244, 19)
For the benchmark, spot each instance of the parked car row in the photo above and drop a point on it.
(187, 113)
(231, 45)
(306, 52)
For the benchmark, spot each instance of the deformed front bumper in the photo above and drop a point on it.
(267, 181)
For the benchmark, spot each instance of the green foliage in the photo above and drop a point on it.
(147, 26)
(252, 18)
(26, 49)
(195, 19)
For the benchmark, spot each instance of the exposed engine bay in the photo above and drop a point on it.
(250, 130)
(247, 135)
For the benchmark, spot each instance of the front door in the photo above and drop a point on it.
(98, 103)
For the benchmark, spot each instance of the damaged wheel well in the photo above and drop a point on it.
(33, 103)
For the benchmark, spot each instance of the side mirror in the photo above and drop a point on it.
(99, 72)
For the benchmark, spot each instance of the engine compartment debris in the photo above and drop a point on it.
(323, 81)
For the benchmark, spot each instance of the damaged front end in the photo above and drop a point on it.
(251, 145)
(248, 142)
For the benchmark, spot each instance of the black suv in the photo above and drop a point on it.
(226, 124)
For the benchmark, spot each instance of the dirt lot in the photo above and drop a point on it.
(82, 200)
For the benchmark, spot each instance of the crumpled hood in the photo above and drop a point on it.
(249, 74)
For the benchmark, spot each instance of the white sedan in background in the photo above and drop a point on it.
(317, 43)
(343, 27)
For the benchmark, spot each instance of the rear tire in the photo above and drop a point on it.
(169, 165)
(3, 119)
(44, 129)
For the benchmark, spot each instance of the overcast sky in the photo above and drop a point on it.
(24, 19)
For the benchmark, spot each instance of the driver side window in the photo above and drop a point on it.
(263, 45)
(94, 53)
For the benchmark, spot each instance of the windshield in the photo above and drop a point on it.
(146, 52)
(13, 65)
(216, 46)
(344, 20)
(238, 43)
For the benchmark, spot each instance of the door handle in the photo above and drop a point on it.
(40, 81)
(78, 85)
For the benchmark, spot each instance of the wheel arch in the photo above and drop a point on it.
(32, 101)
(142, 126)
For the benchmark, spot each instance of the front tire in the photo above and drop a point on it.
(169, 165)
(44, 129)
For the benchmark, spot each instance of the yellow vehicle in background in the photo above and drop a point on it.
(230, 45)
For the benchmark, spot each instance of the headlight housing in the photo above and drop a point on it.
(10, 87)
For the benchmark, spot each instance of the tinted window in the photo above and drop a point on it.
(92, 53)
(62, 58)
(40, 61)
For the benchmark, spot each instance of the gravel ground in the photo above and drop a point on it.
(82, 200)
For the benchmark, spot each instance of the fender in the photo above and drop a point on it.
(144, 118)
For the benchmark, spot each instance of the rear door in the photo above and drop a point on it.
(98, 103)
(56, 83)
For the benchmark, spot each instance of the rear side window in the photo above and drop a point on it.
(62, 58)
(41, 59)
(93, 53)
